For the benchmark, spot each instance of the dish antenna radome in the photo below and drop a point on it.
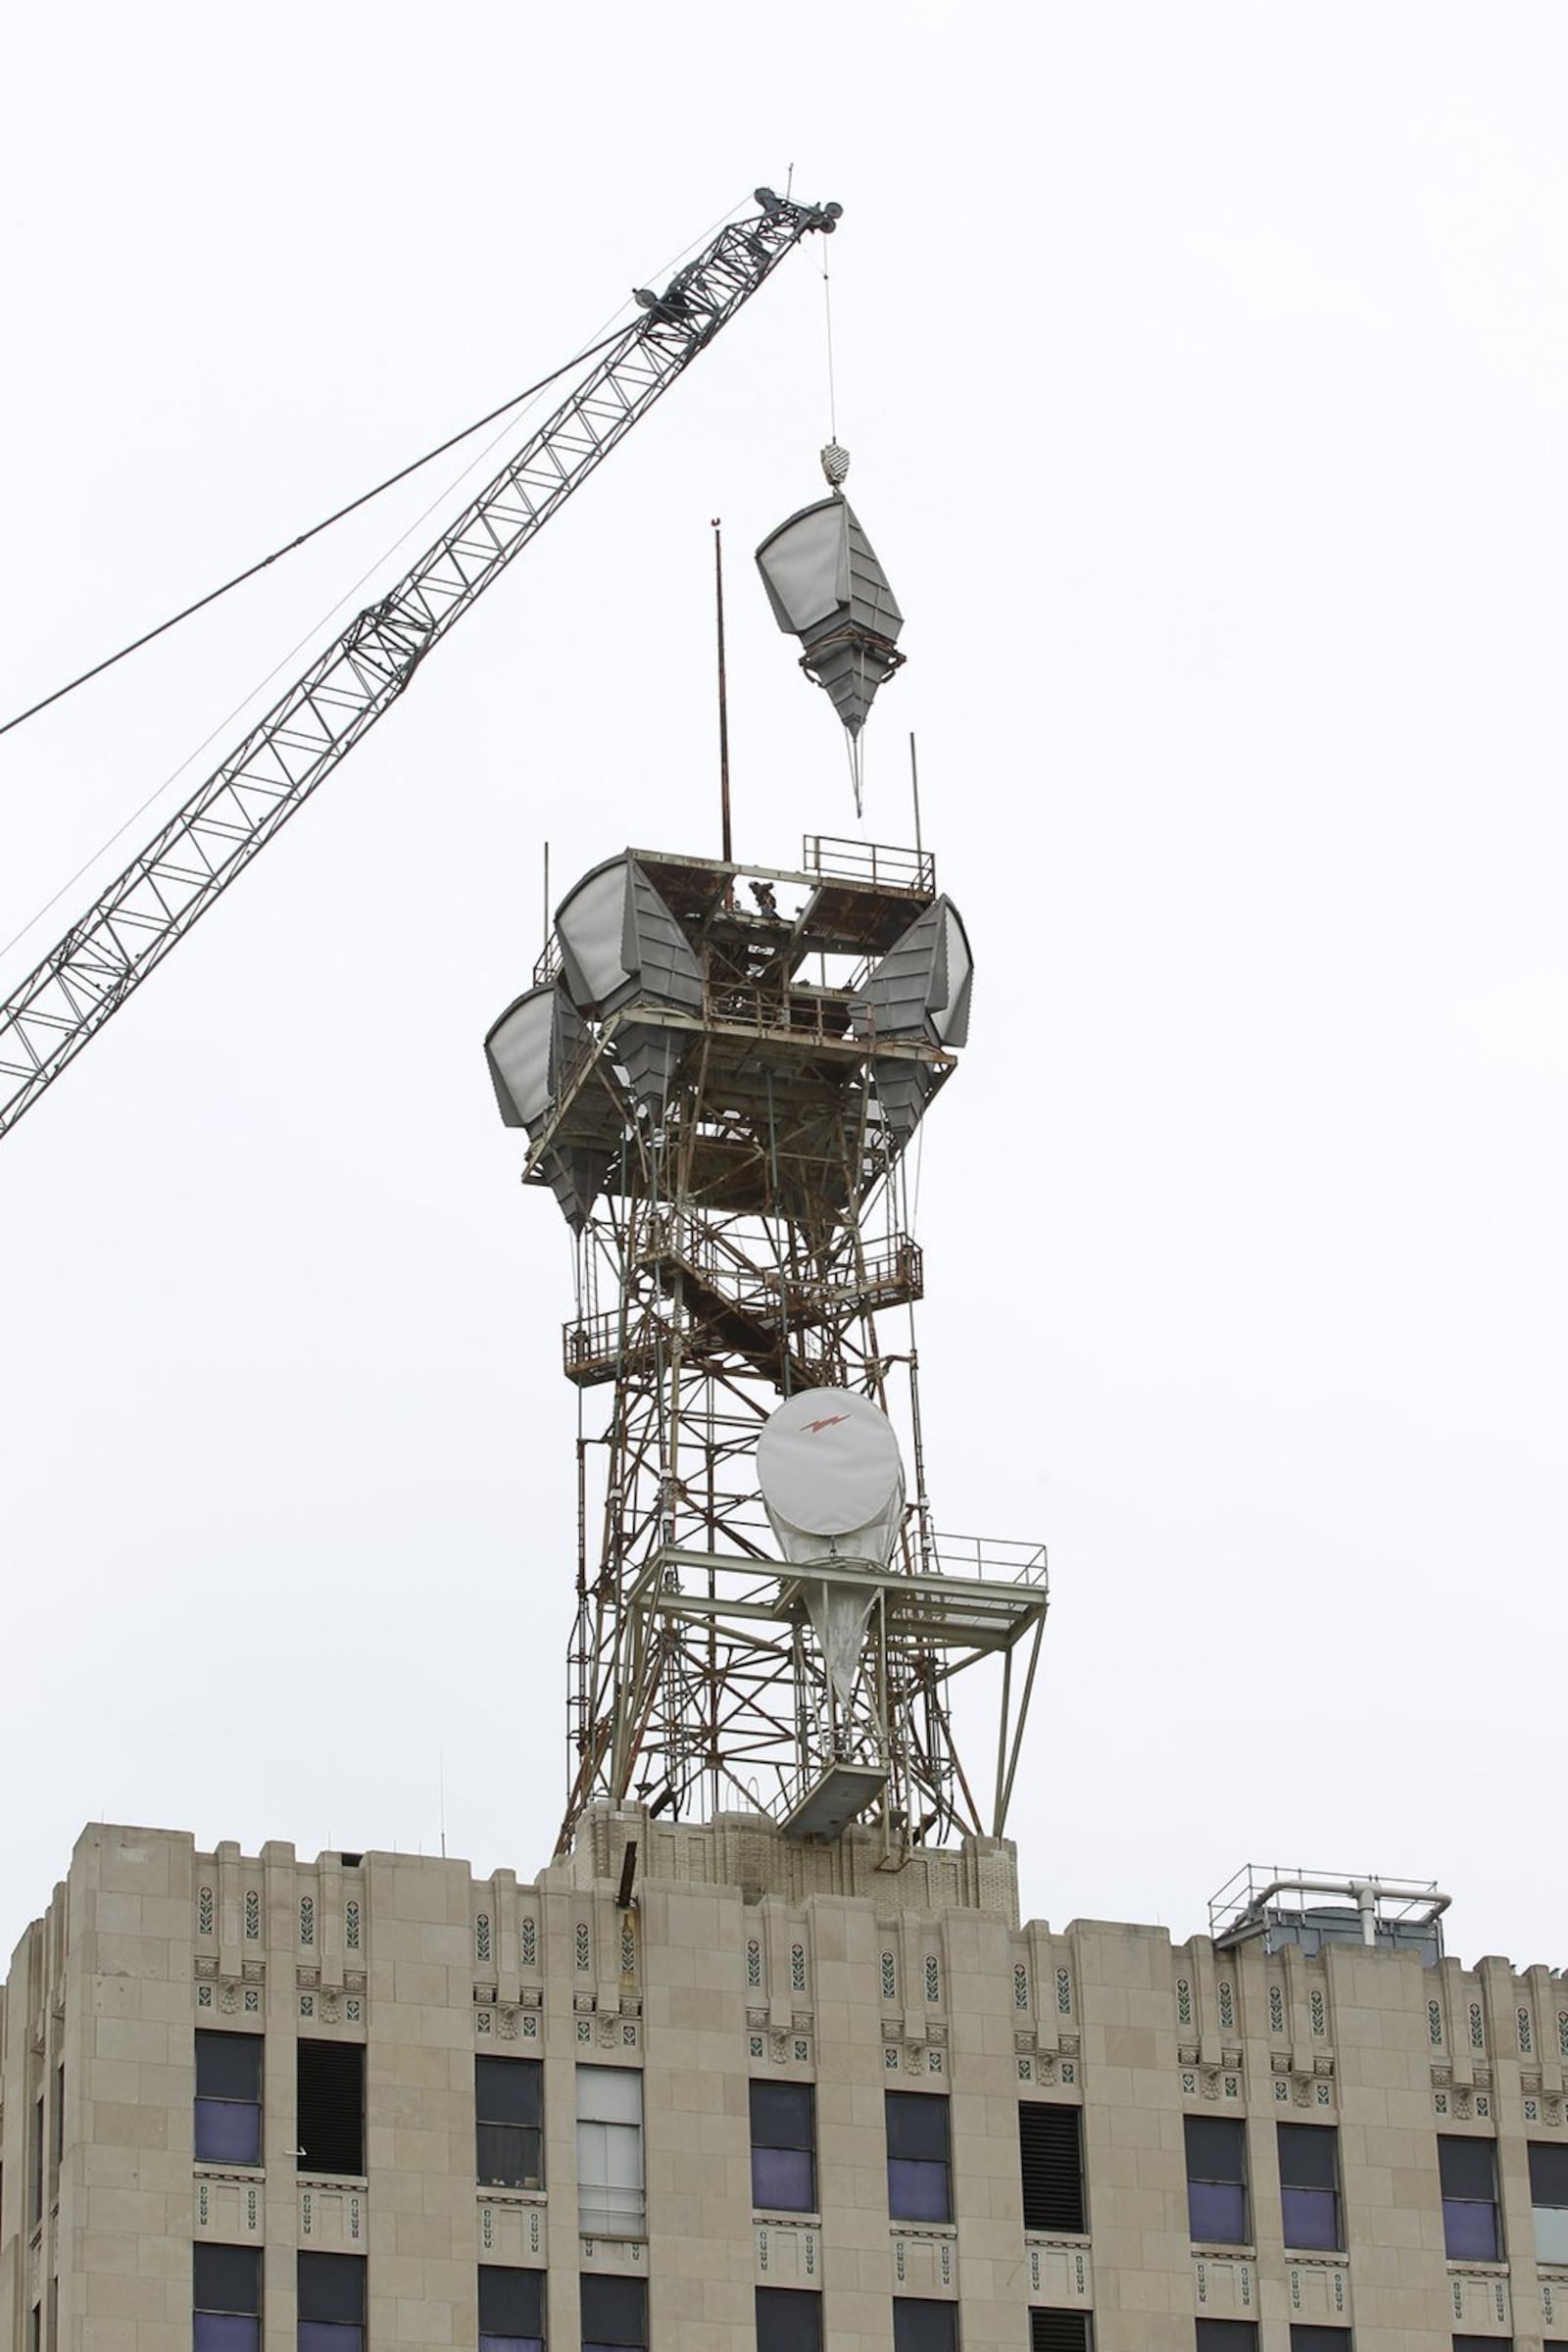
(831, 1476)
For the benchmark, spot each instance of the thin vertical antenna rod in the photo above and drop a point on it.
(545, 935)
(914, 787)
(723, 691)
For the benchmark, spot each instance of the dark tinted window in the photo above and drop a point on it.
(1227, 2335)
(332, 2107)
(1467, 2169)
(1216, 2182)
(1059, 2332)
(227, 2296)
(788, 2320)
(920, 2184)
(1320, 2339)
(229, 2066)
(924, 2326)
(783, 2146)
(511, 2310)
(1049, 2153)
(226, 2278)
(509, 2151)
(614, 2312)
(331, 2302)
(228, 2098)
(1309, 2186)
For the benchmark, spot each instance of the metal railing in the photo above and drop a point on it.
(883, 868)
(1267, 1891)
(995, 1560)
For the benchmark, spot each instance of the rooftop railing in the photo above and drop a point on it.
(870, 862)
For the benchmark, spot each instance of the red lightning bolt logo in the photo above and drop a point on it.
(815, 1427)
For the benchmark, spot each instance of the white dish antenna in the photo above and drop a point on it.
(832, 1481)
(831, 1476)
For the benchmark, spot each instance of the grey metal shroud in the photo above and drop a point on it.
(138, 917)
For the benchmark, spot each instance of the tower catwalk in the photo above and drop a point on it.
(719, 1067)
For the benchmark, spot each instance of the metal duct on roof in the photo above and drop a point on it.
(527, 1050)
(921, 988)
(827, 588)
(619, 940)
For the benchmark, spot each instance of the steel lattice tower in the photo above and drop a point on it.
(719, 1067)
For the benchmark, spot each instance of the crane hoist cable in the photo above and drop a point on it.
(341, 515)
(140, 916)
(518, 399)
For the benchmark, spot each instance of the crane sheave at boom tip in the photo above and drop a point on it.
(140, 916)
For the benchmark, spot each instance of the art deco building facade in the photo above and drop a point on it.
(707, 2088)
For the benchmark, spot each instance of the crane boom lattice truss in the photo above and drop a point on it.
(145, 910)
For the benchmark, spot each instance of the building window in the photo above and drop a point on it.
(1050, 2159)
(331, 2289)
(510, 2144)
(1468, 2171)
(1485, 2343)
(226, 2293)
(788, 2320)
(921, 2327)
(1227, 2335)
(35, 2164)
(1549, 2193)
(1060, 2332)
(228, 2098)
(614, 2311)
(784, 2147)
(511, 2310)
(1320, 2339)
(1216, 2184)
(1309, 2188)
(610, 2155)
(332, 2107)
(919, 2175)
(57, 2132)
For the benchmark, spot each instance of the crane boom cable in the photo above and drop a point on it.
(599, 341)
(315, 532)
(140, 916)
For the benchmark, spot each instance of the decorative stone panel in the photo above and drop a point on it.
(925, 2262)
(513, 2230)
(1225, 2287)
(1481, 2301)
(334, 2217)
(229, 2207)
(788, 2254)
(1060, 2272)
(626, 2257)
(1319, 2292)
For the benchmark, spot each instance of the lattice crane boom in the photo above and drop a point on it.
(141, 914)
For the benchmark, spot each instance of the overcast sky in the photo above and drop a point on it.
(1204, 373)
